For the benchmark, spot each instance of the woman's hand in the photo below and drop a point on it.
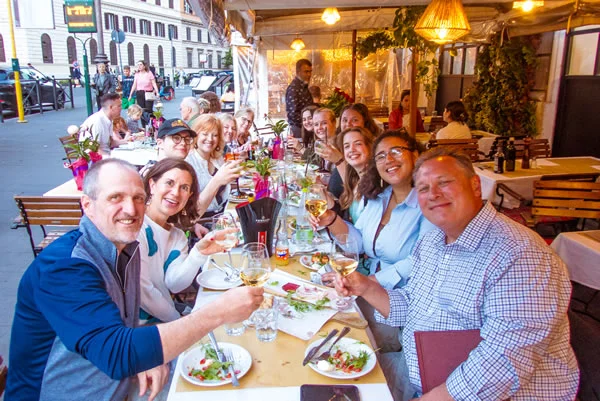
(324, 220)
(294, 143)
(329, 153)
(228, 172)
(208, 244)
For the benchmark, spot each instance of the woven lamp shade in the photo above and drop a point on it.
(444, 21)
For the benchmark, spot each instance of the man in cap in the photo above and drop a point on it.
(174, 139)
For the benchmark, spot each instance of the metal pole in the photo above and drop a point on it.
(86, 77)
(55, 105)
(71, 93)
(15, 61)
(354, 64)
(101, 56)
(38, 92)
(172, 61)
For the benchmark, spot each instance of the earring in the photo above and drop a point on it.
(381, 182)
(149, 200)
(183, 212)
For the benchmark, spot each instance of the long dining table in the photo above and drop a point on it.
(277, 372)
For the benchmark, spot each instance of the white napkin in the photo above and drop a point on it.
(545, 163)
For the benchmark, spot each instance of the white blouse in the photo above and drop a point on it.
(454, 130)
(200, 165)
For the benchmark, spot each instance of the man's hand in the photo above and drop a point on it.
(153, 379)
(208, 244)
(238, 304)
(228, 172)
(353, 284)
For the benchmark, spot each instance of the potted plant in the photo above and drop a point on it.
(278, 128)
(263, 165)
(86, 152)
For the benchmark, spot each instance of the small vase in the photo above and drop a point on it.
(277, 150)
(79, 169)
(261, 186)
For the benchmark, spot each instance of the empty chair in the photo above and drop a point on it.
(62, 214)
(468, 146)
(69, 140)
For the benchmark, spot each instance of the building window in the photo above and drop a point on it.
(93, 49)
(129, 24)
(172, 32)
(159, 29)
(199, 35)
(161, 60)
(189, 58)
(173, 57)
(71, 50)
(187, 8)
(188, 33)
(145, 27)
(201, 58)
(219, 60)
(111, 21)
(130, 54)
(170, 3)
(210, 60)
(146, 54)
(158, 2)
(2, 54)
(207, 36)
(47, 49)
(112, 50)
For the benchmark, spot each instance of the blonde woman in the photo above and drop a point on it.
(229, 130)
(134, 114)
(245, 119)
(214, 174)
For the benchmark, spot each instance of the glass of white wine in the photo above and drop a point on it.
(256, 264)
(343, 258)
(224, 221)
(316, 200)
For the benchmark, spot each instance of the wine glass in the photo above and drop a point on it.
(224, 221)
(343, 258)
(256, 264)
(316, 200)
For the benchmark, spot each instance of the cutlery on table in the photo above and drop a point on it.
(325, 355)
(229, 275)
(311, 354)
(223, 359)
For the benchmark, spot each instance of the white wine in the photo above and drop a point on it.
(229, 241)
(316, 207)
(343, 264)
(255, 276)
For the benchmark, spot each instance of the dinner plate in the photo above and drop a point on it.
(242, 361)
(214, 279)
(306, 261)
(238, 199)
(346, 345)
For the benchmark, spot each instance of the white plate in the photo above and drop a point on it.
(347, 345)
(242, 360)
(306, 261)
(214, 279)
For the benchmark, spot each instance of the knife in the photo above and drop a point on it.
(222, 359)
(311, 354)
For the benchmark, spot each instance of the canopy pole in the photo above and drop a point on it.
(354, 64)
(414, 93)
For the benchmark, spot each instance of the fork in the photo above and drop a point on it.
(229, 275)
(325, 355)
(230, 358)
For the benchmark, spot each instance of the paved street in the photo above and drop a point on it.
(31, 163)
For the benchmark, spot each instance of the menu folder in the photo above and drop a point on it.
(439, 353)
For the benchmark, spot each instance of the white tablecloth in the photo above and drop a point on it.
(581, 254)
(137, 157)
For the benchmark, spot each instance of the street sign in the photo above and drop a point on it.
(80, 15)
(118, 36)
(15, 65)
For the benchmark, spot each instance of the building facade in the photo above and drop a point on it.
(164, 33)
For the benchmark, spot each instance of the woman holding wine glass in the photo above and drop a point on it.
(324, 126)
(166, 265)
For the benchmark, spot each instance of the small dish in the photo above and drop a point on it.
(242, 361)
(214, 279)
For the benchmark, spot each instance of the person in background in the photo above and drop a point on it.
(75, 332)
(76, 74)
(229, 131)
(120, 133)
(143, 82)
(134, 114)
(245, 119)
(400, 118)
(103, 83)
(478, 270)
(213, 100)
(176, 78)
(456, 117)
(307, 138)
(166, 264)
(315, 92)
(229, 95)
(297, 96)
(126, 81)
(214, 174)
(99, 125)
(203, 106)
(189, 109)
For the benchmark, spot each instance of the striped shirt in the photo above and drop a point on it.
(501, 278)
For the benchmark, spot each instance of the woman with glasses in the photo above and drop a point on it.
(244, 119)
(166, 265)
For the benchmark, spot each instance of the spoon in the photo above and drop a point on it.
(325, 355)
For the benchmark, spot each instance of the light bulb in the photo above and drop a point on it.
(330, 16)
(441, 33)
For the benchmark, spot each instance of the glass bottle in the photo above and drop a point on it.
(282, 247)
(526, 154)
(511, 155)
(499, 160)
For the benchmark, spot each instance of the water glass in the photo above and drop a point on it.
(265, 321)
(235, 329)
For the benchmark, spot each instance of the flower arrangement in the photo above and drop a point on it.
(84, 152)
(277, 127)
(338, 100)
(263, 165)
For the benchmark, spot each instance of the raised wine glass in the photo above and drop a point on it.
(343, 258)
(256, 264)
(224, 221)
(316, 200)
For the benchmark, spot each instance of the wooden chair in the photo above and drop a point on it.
(436, 123)
(468, 146)
(564, 199)
(63, 214)
(539, 148)
(3, 375)
(67, 140)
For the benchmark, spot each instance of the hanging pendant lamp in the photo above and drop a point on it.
(297, 44)
(528, 5)
(330, 16)
(444, 21)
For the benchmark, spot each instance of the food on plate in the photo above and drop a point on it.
(320, 258)
(290, 287)
(346, 362)
(325, 366)
(210, 368)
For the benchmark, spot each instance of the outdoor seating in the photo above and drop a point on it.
(468, 146)
(69, 140)
(62, 214)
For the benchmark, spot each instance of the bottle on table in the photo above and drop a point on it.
(499, 160)
(511, 155)
(304, 232)
(282, 246)
(526, 153)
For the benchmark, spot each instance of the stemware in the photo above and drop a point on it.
(224, 221)
(256, 264)
(343, 258)
(316, 200)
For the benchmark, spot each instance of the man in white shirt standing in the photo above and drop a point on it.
(99, 124)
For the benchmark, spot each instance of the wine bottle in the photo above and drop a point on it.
(499, 161)
(511, 155)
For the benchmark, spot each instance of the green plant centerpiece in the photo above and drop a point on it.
(263, 165)
(498, 101)
(84, 152)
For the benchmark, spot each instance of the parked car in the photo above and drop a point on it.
(30, 96)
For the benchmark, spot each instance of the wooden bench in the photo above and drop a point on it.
(62, 214)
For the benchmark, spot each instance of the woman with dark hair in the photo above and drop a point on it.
(144, 82)
(307, 136)
(357, 115)
(166, 265)
(401, 117)
(456, 117)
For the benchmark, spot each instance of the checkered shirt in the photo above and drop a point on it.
(501, 278)
(297, 97)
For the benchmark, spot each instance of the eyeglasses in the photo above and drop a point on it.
(396, 152)
(177, 139)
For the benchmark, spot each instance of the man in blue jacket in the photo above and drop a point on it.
(74, 335)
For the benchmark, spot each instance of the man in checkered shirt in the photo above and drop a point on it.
(479, 270)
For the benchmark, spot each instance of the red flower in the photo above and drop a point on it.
(337, 90)
(351, 100)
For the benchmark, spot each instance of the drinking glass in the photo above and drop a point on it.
(343, 258)
(224, 221)
(265, 321)
(316, 201)
(256, 264)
